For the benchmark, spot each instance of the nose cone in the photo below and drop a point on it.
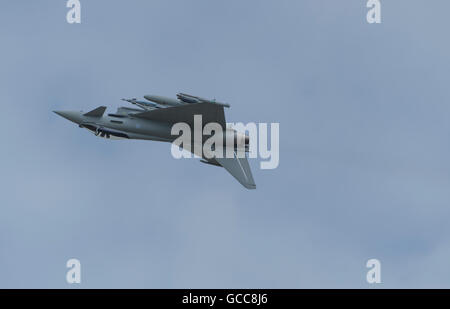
(69, 115)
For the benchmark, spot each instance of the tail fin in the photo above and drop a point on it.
(98, 112)
(239, 169)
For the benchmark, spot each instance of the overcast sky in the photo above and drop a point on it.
(364, 145)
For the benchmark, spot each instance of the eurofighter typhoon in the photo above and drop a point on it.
(155, 119)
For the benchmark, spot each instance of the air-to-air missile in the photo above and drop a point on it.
(194, 99)
(142, 104)
(183, 98)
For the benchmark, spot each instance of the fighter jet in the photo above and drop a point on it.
(153, 120)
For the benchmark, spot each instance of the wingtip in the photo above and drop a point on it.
(250, 186)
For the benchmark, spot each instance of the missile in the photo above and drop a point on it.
(183, 98)
(193, 99)
(187, 99)
(162, 100)
(141, 104)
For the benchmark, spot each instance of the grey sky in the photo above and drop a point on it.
(364, 145)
